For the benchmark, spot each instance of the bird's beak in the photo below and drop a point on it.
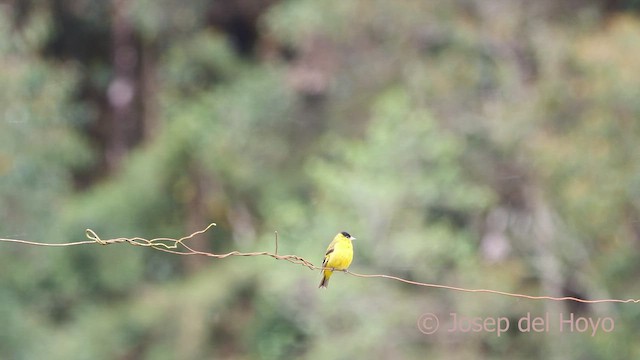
(352, 238)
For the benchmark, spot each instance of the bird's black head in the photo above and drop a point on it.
(346, 234)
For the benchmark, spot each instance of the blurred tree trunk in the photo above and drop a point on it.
(122, 91)
(545, 237)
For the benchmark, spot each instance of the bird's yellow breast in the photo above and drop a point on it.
(341, 256)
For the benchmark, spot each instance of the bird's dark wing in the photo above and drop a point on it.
(326, 256)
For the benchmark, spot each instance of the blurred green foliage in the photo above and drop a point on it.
(474, 144)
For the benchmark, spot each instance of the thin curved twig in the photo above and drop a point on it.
(178, 247)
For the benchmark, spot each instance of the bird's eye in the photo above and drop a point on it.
(345, 234)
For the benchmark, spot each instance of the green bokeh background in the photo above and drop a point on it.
(478, 144)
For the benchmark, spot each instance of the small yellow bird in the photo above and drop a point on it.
(338, 257)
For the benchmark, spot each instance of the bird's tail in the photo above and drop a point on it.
(325, 278)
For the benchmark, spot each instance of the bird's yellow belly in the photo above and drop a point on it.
(341, 257)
